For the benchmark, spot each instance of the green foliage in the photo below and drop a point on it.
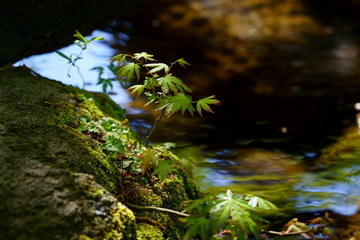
(119, 144)
(163, 169)
(159, 160)
(169, 93)
(116, 139)
(258, 202)
(83, 43)
(226, 212)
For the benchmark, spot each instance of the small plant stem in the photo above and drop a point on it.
(158, 209)
(153, 127)
(289, 233)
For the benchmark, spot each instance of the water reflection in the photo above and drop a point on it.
(286, 96)
(331, 190)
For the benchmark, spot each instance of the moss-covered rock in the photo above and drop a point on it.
(38, 117)
(55, 182)
(174, 193)
(42, 202)
(59, 183)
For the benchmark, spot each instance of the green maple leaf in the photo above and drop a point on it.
(120, 58)
(181, 102)
(182, 62)
(228, 206)
(163, 168)
(113, 144)
(198, 225)
(157, 67)
(130, 70)
(150, 83)
(258, 202)
(147, 160)
(144, 55)
(162, 103)
(137, 89)
(203, 104)
(172, 83)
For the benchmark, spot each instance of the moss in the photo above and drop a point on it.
(122, 218)
(188, 184)
(144, 196)
(98, 193)
(148, 232)
(46, 112)
(105, 104)
(84, 237)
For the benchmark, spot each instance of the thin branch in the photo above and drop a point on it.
(289, 233)
(158, 209)
(153, 127)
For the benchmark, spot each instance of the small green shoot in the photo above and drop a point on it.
(73, 58)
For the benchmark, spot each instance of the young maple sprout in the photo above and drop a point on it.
(167, 92)
(160, 86)
(83, 43)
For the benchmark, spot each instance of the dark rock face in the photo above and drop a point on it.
(32, 27)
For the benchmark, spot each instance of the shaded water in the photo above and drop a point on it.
(288, 87)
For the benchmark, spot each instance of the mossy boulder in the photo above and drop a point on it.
(58, 182)
(55, 182)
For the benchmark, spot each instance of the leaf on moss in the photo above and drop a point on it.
(147, 161)
(163, 168)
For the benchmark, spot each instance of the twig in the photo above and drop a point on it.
(153, 127)
(289, 233)
(150, 221)
(158, 209)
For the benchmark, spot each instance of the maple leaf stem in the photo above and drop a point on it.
(153, 127)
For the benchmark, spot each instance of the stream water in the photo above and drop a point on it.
(287, 128)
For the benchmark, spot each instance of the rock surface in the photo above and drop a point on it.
(54, 182)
